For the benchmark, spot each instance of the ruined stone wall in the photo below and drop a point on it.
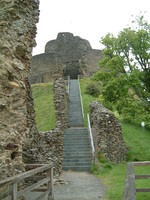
(31, 150)
(51, 142)
(68, 46)
(45, 67)
(61, 101)
(108, 136)
(45, 147)
(91, 59)
(75, 53)
(18, 20)
(20, 142)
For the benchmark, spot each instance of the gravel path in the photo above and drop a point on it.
(74, 186)
(79, 186)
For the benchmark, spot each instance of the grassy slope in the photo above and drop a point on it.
(44, 106)
(87, 99)
(138, 141)
(113, 176)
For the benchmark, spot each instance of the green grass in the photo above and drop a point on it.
(44, 106)
(86, 98)
(138, 139)
(112, 175)
(142, 183)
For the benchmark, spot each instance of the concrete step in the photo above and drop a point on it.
(76, 130)
(77, 143)
(74, 139)
(79, 147)
(76, 134)
(75, 105)
(75, 118)
(85, 160)
(77, 168)
(75, 112)
(82, 129)
(82, 163)
(74, 159)
(75, 97)
(79, 157)
(76, 153)
(76, 149)
(75, 123)
(79, 154)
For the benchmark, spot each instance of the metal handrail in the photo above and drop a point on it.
(91, 137)
(68, 84)
(80, 97)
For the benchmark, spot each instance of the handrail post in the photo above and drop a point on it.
(15, 191)
(129, 188)
(91, 137)
(80, 97)
(50, 185)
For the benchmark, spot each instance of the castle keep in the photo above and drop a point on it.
(67, 55)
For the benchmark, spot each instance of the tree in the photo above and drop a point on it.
(129, 52)
(125, 67)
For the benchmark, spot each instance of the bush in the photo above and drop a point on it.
(93, 89)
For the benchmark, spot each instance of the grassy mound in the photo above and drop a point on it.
(44, 106)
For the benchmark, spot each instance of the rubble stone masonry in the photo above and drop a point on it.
(108, 138)
(18, 20)
(51, 142)
(68, 54)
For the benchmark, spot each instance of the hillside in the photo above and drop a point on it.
(44, 106)
(112, 175)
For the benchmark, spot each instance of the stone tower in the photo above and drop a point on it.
(67, 55)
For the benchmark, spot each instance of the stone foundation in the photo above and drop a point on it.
(108, 138)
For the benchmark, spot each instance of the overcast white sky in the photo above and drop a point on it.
(89, 19)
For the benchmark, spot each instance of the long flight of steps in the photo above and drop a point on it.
(75, 110)
(76, 154)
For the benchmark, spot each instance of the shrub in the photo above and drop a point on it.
(93, 89)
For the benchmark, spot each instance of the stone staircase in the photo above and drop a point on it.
(75, 110)
(76, 153)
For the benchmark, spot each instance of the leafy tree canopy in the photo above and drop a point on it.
(125, 69)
